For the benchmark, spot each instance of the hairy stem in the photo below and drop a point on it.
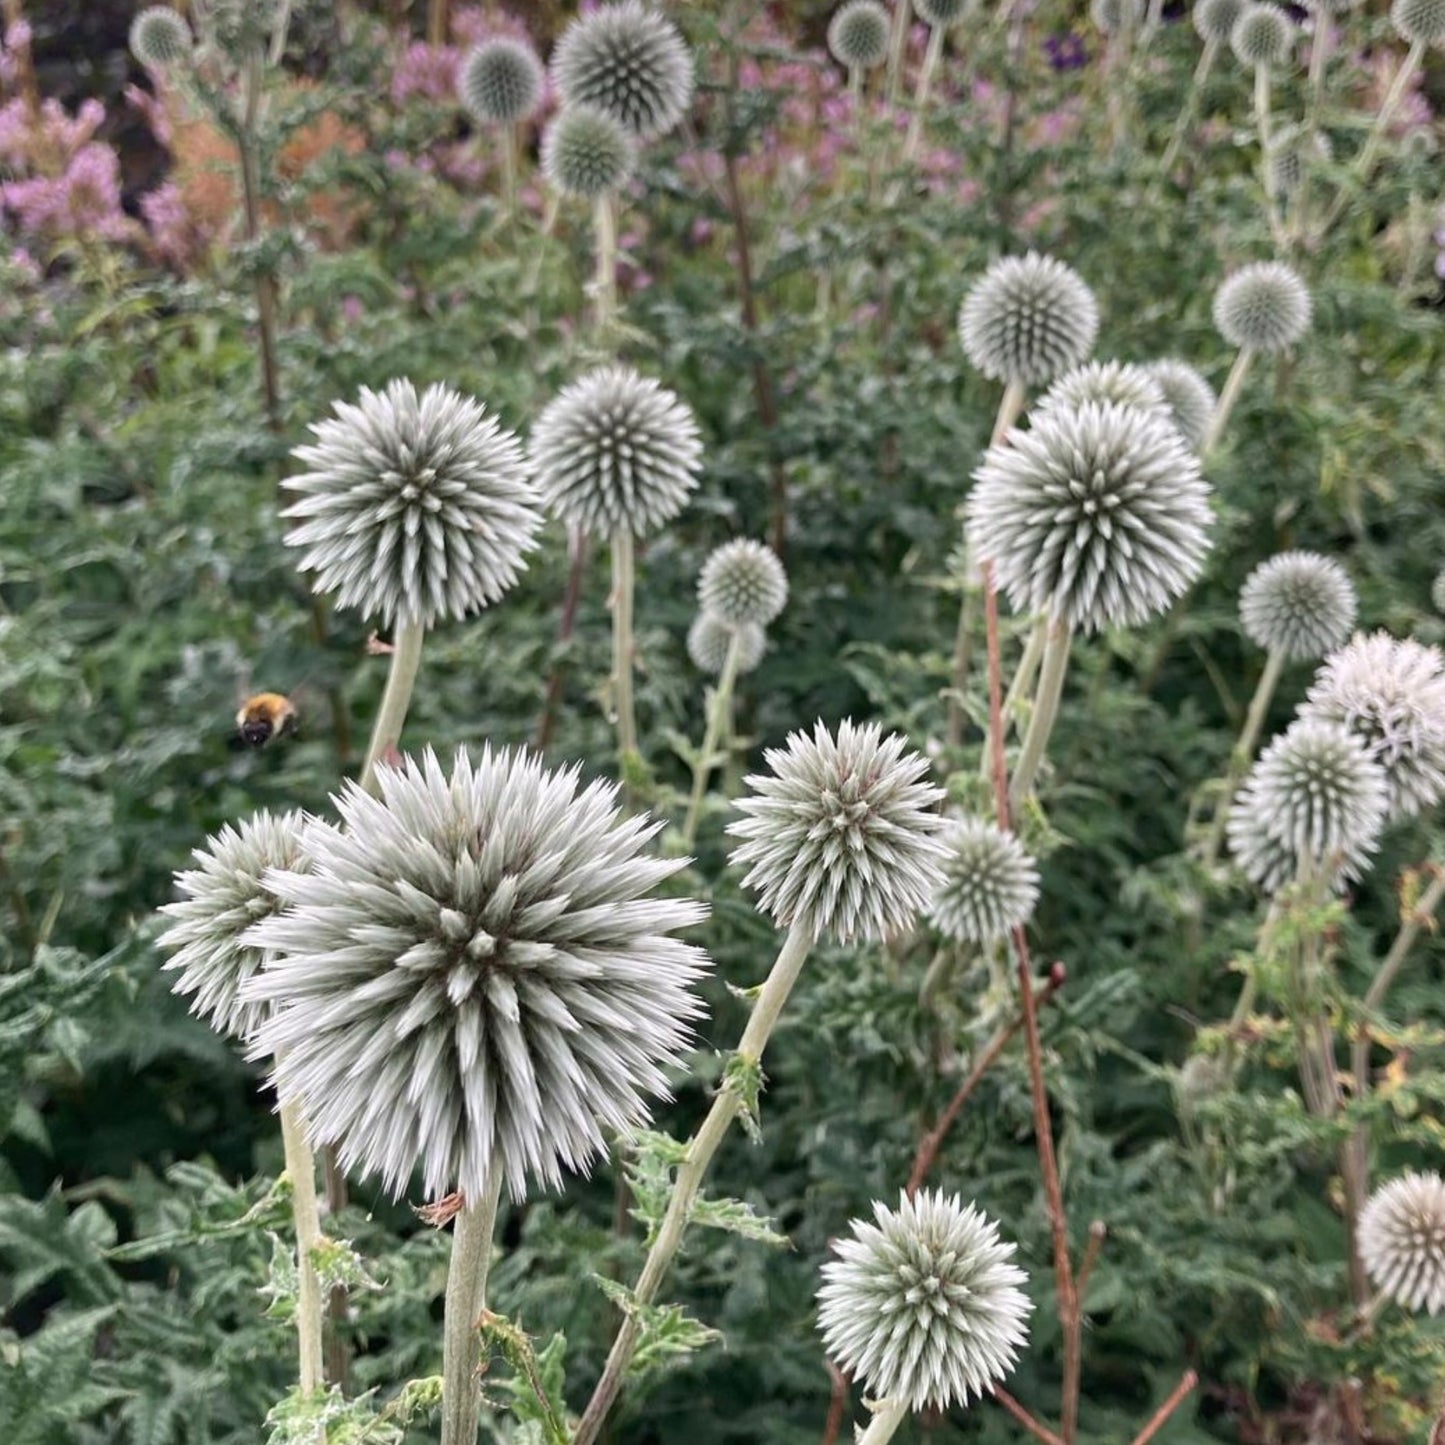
(251, 201)
(301, 1171)
(1191, 104)
(897, 45)
(717, 713)
(1233, 385)
(1243, 752)
(885, 1422)
(931, 57)
(604, 284)
(466, 1296)
(1371, 149)
(1046, 710)
(566, 625)
(623, 569)
(391, 715)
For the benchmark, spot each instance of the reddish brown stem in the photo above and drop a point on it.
(1158, 1418)
(1035, 1428)
(837, 1405)
(565, 626)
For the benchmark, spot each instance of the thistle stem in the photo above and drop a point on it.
(623, 569)
(466, 1296)
(1243, 753)
(1191, 104)
(1046, 708)
(704, 1144)
(717, 713)
(1021, 682)
(884, 1425)
(1011, 403)
(301, 1171)
(1233, 385)
(897, 44)
(1319, 55)
(391, 716)
(931, 57)
(266, 304)
(962, 656)
(604, 291)
(509, 170)
(1266, 148)
(1414, 58)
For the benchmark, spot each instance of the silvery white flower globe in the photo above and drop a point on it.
(709, 638)
(160, 37)
(222, 898)
(1420, 22)
(616, 452)
(1101, 381)
(1299, 604)
(1262, 35)
(587, 153)
(1114, 16)
(1190, 399)
(840, 836)
(412, 508)
(743, 581)
(924, 1305)
(1028, 319)
(501, 81)
(1402, 1240)
(1293, 154)
(1099, 513)
(1214, 19)
(1262, 307)
(858, 35)
(941, 12)
(990, 885)
(1437, 591)
(628, 60)
(1314, 800)
(1390, 692)
(477, 974)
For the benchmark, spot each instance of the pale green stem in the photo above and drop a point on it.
(1020, 684)
(767, 1008)
(1009, 407)
(1116, 87)
(1243, 753)
(884, 1425)
(604, 297)
(1266, 150)
(941, 970)
(391, 716)
(897, 45)
(622, 586)
(549, 224)
(466, 1297)
(931, 58)
(1191, 103)
(1046, 708)
(1319, 55)
(962, 653)
(301, 1171)
(1233, 385)
(509, 170)
(1412, 62)
(717, 714)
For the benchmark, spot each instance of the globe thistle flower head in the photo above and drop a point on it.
(840, 836)
(990, 885)
(222, 898)
(1390, 693)
(743, 581)
(923, 1305)
(709, 638)
(858, 35)
(1214, 19)
(1104, 381)
(1262, 307)
(1294, 153)
(587, 153)
(1028, 319)
(1299, 604)
(615, 452)
(160, 38)
(1421, 22)
(413, 508)
(1314, 804)
(477, 974)
(501, 81)
(1402, 1240)
(1097, 513)
(1113, 17)
(1262, 35)
(1190, 399)
(628, 60)
(941, 12)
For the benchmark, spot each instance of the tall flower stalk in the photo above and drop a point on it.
(466, 1296)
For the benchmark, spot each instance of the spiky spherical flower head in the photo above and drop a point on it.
(615, 452)
(1263, 35)
(587, 153)
(1390, 692)
(840, 836)
(858, 35)
(709, 638)
(924, 1305)
(413, 508)
(743, 581)
(1113, 17)
(1102, 381)
(477, 975)
(501, 81)
(1294, 154)
(1262, 307)
(990, 885)
(1097, 513)
(941, 12)
(1203, 1077)
(1299, 604)
(160, 37)
(628, 60)
(1190, 399)
(1421, 22)
(1313, 804)
(1437, 591)
(1028, 318)
(1214, 19)
(1402, 1240)
(221, 899)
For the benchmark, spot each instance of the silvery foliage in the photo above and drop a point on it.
(1299, 604)
(412, 508)
(941, 12)
(1190, 399)
(1214, 19)
(628, 60)
(1313, 805)
(1028, 319)
(477, 975)
(616, 452)
(160, 37)
(840, 836)
(1113, 17)
(708, 640)
(1098, 513)
(990, 885)
(587, 153)
(858, 35)
(501, 81)
(1263, 307)
(924, 1305)
(221, 898)
(1262, 35)
(743, 581)
(1402, 1240)
(1421, 22)
(1102, 381)
(1390, 692)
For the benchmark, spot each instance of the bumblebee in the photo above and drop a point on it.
(264, 716)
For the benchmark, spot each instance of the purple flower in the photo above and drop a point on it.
(1066, 51)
